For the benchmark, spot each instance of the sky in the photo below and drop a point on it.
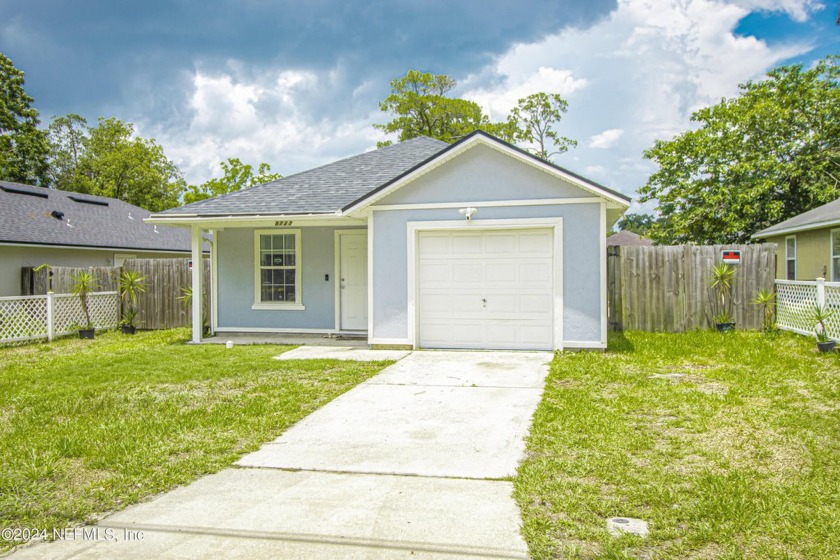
(297, 84)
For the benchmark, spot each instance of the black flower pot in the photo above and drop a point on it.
(725, 327)
(87, 333)
(128, 329)
(827, 346)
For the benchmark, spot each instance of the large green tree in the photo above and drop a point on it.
(533, 120)
(237, 176)
(109, 160)
(67, 136)
(421, 107)
(637, 223)
(755, 160)
(23, 146)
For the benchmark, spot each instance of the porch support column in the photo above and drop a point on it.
(197, 284)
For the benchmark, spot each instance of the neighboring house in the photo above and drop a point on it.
(46, 226)
(626, 238)
(808, 244)
(477, 244)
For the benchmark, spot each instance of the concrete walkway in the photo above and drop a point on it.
(396, 467)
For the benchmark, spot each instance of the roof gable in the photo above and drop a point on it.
(482, 138)
(481, 173)
(40, 216)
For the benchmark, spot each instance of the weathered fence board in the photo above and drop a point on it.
(160, 306)
(665, 288)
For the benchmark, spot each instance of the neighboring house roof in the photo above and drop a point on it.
(29, 216)
(352, 183)
(626, 238)
(822, 216)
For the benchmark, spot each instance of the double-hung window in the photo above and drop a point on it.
(790, 257)
(835, 255)
(278, 271)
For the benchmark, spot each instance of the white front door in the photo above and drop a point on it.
(489, 289)
(352, 278)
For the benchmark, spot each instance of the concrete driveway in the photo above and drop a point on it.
(396, 467)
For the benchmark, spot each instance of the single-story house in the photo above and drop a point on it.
(625, 238)
(809, 244)
(47, 226)
(477, 244)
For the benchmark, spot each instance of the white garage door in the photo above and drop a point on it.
(486, 289)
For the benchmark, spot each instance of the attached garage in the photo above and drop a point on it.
(490, 288)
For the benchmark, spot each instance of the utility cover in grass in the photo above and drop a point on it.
(618, 525)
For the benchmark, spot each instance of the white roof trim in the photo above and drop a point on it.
(496, 145)
(795, 229)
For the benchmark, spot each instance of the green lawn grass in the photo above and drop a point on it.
(87, 427)
(727, 445)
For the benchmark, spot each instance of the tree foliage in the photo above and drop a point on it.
(23, 147)
(637, 223)
(755, 160)
(533, 120)
(421, 107)
(109, 160)
(237, 176)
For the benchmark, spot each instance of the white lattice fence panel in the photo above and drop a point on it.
(23, 318)
(103, 308)
(795, 302)
(832, 303)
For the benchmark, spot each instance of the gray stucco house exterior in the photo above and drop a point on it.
(476, 244)
(48, 226)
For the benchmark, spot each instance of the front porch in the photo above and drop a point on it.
(289, 339)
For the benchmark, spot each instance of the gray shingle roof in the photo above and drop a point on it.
(826, 213)
(323, 190)
(626, 238)
(107, 222)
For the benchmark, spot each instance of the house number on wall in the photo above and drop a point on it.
(283, 224)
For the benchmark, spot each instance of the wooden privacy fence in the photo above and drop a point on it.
(666, 288)
(166, 280)
(159, 306)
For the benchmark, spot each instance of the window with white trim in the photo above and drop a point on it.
(790, 257)
(835, 255)
(277, 273)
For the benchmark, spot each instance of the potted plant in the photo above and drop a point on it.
(819, 315)
(186, 302)
(723, 322)
(720, 297)
(132, 283)
(83, 284)
(127, 325)
(766, 299)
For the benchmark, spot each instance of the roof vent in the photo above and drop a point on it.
(88, 201)
(13, 190)
(57, 214)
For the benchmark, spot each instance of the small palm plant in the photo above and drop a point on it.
(132, 284)
(83, 284)
(721, 282)
(765, 299)
(186, 302)
(819, 315)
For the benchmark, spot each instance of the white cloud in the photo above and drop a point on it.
(263, 118)
(642, 70)
(606, 139)
(499, 101)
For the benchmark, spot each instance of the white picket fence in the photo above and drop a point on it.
(34, 317)
(795, 302)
